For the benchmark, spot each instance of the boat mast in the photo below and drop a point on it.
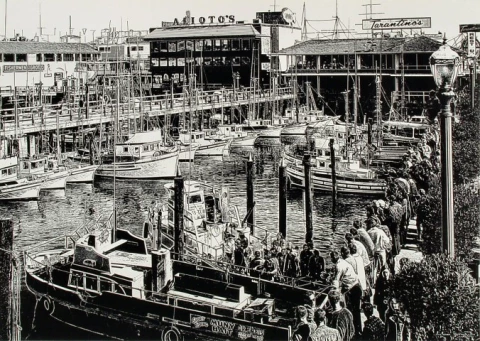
(355, 94)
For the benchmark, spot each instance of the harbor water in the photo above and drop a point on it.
(60, 212)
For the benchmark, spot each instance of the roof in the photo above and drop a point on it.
(363, 46)
(205, 31)
(146, 137)
(30, 47)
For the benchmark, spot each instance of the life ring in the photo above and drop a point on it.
(48, 305)
(172, 334)
(156, 154)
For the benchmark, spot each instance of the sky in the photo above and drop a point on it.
(23, 15)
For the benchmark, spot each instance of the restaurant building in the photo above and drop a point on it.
(397, 64)
(217, 51)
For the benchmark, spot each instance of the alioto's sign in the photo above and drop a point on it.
(23, 68)
(211, 19)
(396, 23)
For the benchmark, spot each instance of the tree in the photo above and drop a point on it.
(441, 297)
(429, 213)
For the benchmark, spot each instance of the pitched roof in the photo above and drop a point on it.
(363, 46)
(205, 31)
(44, 47)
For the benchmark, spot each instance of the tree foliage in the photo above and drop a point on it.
(429, 214)
(440, 296)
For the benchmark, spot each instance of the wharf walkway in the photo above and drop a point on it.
(50, 117)
(410, 250)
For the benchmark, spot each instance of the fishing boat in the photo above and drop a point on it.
(77, 172)
(143, 157)
(403, 133)
(234, 132)
(351, 176)
(36, 169)
(113, 283)
(12, 188)
(205, 147)
(186, 153)
(305, 118)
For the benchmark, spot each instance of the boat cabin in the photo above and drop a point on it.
(8, 168)
(257, 124)
(193, 137)
(33, 166)
(233, 131)
(405, 130)
(140, 145)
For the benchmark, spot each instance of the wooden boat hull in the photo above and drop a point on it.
(294, 130)
(20, 192)
(273, 132)
(159, 167)
(187, 154)
(244, 141)
(81, 175)
(323, 182)
(219, 148)
(52, 181)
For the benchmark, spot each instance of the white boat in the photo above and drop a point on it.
(36, 169)
(186, 153)
(270, 132)
(141, 157)
(81, 174)
(12, 188)
(235, 132)
(205, 147)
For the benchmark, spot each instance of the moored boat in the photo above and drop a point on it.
(204, 146)
(37, 170)
(12, 188)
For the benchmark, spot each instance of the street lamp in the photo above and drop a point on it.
(444, 65)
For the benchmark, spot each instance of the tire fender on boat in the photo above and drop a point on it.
(48, 305)
(172, 334)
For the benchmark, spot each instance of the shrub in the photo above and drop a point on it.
(440, 296)
(429, 214)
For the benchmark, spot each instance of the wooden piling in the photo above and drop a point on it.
(334, 176)
(159, 230)
(90, 148)
(50, 142)
(369, 136)
(8, 327)
(178, 216)
(74, 141)
(250, 195)
(62, 143)
(282, 198)
(308, 198)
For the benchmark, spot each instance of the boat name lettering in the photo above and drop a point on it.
(199, 322)
(221, 19)
(250, 332)
(23, 68)
(222, 327)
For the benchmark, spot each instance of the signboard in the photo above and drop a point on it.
(266, 66)
(396, 23)
(469, 28)
(471, 50)
(226, 328)
(167, 24)
(285, 17)
(211, 19)
(265, 41)
(23, 68)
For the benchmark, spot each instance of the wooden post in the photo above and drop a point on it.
(159, 230)
(74, 141)
(334, 176)
(62, 143)
(250, 196)
(87, 101)
(50, 142)
(178, 218)
(7, 323)
(369, 141)
(282, 198)
(308, 198)
(90, 148)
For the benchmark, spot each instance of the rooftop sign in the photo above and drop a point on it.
(211, 19)
(469, 28)
(396, 23)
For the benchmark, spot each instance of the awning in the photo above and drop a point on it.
(205, 31)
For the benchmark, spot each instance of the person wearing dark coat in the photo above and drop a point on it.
(316, 265)
(304, 260)
(381, 285)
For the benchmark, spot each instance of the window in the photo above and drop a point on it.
(218, 45)
(181, 62)
(198, 61)
(59, 57)
(21, 57)
(86, 56)
(8, 57)
(246, 44)
(4, 172)
(207, 61)
(208, 45)
(1, 57)
(172, 47)
(245, 60)
(68, 57)
(163, 62)
(180, 46)
(155, 62)
(218, 61)
(140, 48)
(133, 48)
(76, 279)
(225, 45)
(137, 149)
(48, 57)
(236, 61)
(105, 285)
(199, 45)
(39, 57)
(91, 282)
(77, 57)
(101, 49)
(172, 62)
(189, 45)
(235, 44)
(163, 46)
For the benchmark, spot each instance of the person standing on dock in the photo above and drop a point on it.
(304, 260)
(381, 286)
(347, 281)
(302, 331)
(340, 318)
(374, 328)
(322, 332)
(316, 265)
(359, 232)
(380, 240)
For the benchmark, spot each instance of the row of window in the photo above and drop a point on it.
(9, 171)
(108, 48)
(145, 148)
(46, 57)
(208, 61)
(202, 45)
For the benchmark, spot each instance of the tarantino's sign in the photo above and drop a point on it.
(24, 68)
(396, 23)
(469, 28)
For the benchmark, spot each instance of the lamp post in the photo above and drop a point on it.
(444, 66)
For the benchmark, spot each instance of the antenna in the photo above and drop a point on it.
(369, 16)
(93, 35)
(70, 25)
(5, 19)
(304, 20)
